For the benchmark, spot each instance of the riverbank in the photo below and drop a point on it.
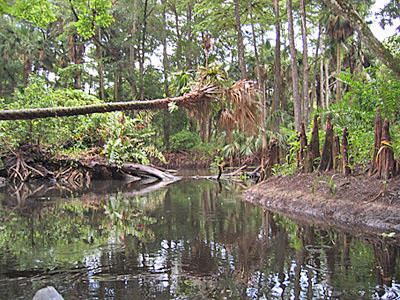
(354, 201)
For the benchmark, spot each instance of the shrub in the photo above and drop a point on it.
(184, 140)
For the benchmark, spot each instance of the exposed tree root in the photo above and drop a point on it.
(30, 162)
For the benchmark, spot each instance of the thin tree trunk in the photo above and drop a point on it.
(261, 82)
(321, 82)
(295, 73)
(189, 38)
(132, 52)
(167, 116)
(178, 36)
(277, 64)
(306, 70)
(142, 54)
(99, 52)
(240, 41)
(116, 85)
(338, 70)
(327, 89)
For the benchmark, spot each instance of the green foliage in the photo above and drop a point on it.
(378, 88)
(185, 140)
(330, 182)
(129, 139)
(39, 12)
(92, 14)
(51, 131)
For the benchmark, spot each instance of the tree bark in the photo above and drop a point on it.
(40, 113)
(314, 143)
(346, 9)
(143, 51)
(306, 70)
(377, 144)
(240, 41)
(277, 64)
(326, 157)
(345, 154)
(338, 70)
(295, 73)
(166, 114)
(386, 162)
(336, 152)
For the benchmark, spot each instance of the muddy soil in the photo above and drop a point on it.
(355, 202)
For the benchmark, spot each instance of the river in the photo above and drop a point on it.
(193, 239)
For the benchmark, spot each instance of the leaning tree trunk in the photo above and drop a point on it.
(40, 113)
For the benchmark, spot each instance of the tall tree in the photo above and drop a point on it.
(166, 115)
(277, 65)
(305, 59)
(240, 43)
(295, 72)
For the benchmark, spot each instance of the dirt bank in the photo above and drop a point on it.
(359, 201)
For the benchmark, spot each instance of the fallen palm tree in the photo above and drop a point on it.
(200, 94)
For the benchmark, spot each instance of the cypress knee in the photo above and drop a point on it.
(385, 156)
(326, 158)
(314, 143)
(377, 145)
(336, 152)
(303, 147)
(345, 153)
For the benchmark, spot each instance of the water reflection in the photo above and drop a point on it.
(193, 239)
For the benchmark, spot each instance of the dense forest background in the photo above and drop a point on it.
(305, 58)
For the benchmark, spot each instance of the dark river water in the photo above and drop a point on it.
(193, 239)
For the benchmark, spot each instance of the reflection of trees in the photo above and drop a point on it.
(195, 238)
(385, 258)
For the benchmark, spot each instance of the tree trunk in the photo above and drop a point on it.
(327, 89)
(189, 37)
(143, 51)
(321, 82)
(377, 144)
(116, 85)
(99, 53)
(314, 143)
(306, 70)
(386, 162)
(240, 41)
(346, 9)
(277, 63)
(326, 157)
(40, 113)
(338, 70)
(166, 114)
(336, 152)
(302, 154)
(132, 54)
(345, 154)
(261, 82)
(178, 52)
(295, 73)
